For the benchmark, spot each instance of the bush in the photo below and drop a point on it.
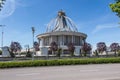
(0, 52)
(23, 53)
(58, 62)
(12, 54)
(29, 54)
(119, 53)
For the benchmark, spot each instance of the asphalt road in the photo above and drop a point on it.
(79, 72)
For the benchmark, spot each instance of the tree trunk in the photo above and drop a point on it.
(115, 53)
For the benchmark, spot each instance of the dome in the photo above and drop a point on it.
(61, 23)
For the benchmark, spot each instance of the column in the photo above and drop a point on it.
(72, 38)
(63, 40)
(51, 38)
(80, 41)
(84, 40)
(42, 41)
(60, 40)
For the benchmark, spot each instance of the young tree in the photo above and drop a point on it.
(116, 7)
(15, 47)
(0, 52)
(115, 47)
(53, 47)
(101, 47)
(71, 48)
(36, 46)
(86, 48)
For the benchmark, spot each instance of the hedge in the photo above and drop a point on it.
(36, 63)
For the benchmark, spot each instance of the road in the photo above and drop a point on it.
(78, 72)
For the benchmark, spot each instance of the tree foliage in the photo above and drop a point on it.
(71, 48)
(101, 47)
(2, 2)
(114, 47)
(0, 52)
(116, 7)
(15, 47)
(53, 46)
(87, 47)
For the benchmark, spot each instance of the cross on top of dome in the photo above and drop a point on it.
(61, 13)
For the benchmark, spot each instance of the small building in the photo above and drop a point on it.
(63, 31)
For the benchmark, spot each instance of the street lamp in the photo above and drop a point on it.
(2, 26)
(33, 31)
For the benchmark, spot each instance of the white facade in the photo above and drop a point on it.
(63, 32)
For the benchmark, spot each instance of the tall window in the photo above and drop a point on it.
(77, 40)
(46, 41)
(66, 40)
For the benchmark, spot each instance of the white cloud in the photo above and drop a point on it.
(104, 26)
(8, 9)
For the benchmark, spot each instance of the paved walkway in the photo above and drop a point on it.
(79, 72)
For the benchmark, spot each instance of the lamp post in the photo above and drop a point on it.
(2, 26)
(33, 31)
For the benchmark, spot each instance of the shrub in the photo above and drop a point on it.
(0, 52)
(58, 62)
(29, 54)
(23, 53)
(12, 54)
(119, 53)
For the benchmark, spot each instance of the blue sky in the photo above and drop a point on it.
(92, 17)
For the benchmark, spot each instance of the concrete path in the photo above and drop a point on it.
(79, 72)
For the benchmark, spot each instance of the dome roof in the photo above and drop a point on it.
(61, 23)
